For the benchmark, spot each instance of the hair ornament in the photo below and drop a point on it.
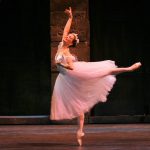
(76, 37)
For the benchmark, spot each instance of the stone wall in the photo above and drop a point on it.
(80, 25)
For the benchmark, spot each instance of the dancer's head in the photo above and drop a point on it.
(71, 39)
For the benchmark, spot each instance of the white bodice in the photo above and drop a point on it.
(60, 57)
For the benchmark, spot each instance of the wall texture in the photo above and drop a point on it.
(80, 25)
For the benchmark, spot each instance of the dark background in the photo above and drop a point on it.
(119, 31)
(24, 57)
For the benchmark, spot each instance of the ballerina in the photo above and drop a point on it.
(80, 85)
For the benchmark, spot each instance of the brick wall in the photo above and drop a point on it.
(80, 25)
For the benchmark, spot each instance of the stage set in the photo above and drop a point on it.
(30, 32)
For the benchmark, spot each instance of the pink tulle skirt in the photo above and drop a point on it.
(77, 91)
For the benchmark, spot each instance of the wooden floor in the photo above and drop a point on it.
(63, 137)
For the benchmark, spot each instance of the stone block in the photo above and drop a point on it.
(61, 5)
(80, 25)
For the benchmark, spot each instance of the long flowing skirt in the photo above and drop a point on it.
(77, 91)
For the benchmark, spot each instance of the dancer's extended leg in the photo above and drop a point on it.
(118, 70)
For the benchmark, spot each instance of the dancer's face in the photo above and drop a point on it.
(69, 39)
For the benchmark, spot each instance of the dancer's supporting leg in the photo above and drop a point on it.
(80, 132)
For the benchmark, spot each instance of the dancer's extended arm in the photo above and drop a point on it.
(69, 22)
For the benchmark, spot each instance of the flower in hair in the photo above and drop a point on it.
(76, 37)
(77, 41)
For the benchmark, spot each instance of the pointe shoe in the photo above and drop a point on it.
(79, 137)
(135, 66)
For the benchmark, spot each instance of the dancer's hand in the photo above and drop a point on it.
(69, 12)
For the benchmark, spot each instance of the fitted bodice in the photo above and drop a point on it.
(61, 57)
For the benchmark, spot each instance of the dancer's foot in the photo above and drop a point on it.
(134, 66)
(79, 137)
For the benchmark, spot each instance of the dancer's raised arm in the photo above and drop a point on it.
(69, 22)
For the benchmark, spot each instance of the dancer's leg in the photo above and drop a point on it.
(133, 67)
(81, 122)
(80, 132)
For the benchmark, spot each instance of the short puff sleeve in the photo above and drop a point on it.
(59, 58)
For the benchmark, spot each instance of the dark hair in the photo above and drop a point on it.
(74, 43)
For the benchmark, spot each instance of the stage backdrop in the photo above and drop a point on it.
(31, 30)
(120, 32)
(24, 58)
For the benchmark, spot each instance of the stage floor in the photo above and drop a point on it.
(63, 137)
